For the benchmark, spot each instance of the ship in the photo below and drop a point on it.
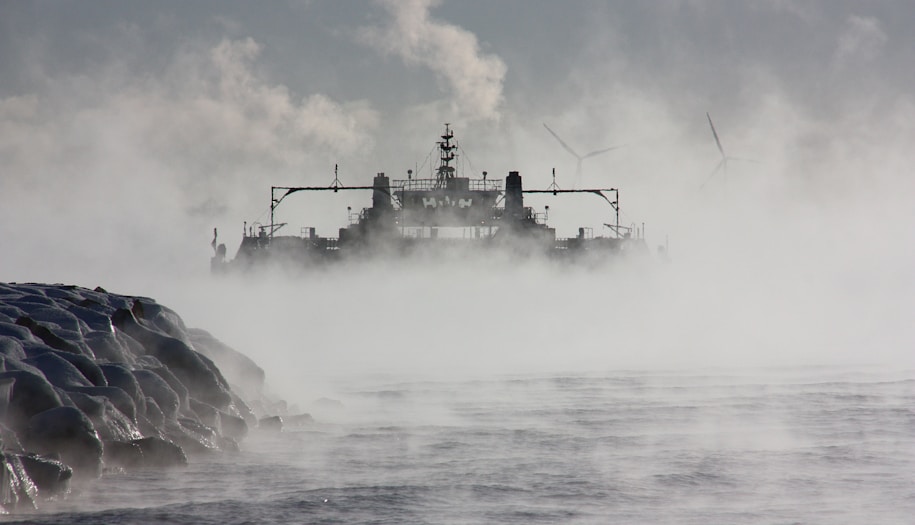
(444, 214)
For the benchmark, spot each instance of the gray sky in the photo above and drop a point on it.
(128, 130)
(193, 109)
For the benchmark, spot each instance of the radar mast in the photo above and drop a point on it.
(445, 171)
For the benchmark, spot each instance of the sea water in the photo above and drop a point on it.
(802, 445)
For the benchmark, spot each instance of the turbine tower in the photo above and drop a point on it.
(579, 158)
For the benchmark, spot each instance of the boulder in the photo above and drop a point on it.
(271, 423)
(120, 399)
(176, 385)
(233, 426)
(121, 377)
(58, 371)
(122, 454)
(155, 387)
(239, 370)
(90, 378)
(189, 366)
(107, 348)
(31, 394)
(17, 490)
(158, 452)
(109, 422)
(47, 336)
(51, 476)
(68, 432)
(10, 349)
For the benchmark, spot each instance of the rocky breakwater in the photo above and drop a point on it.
(92, 381)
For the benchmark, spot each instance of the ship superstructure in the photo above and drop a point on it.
(411, 215)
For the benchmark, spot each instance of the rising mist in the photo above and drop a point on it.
(118, 164)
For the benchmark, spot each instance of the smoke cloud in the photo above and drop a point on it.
(138, 162)
(451, 52)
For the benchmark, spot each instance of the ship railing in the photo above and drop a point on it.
(527, 213)
(435, 184)
(356, 216)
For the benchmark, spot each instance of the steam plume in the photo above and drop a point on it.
(451, 52)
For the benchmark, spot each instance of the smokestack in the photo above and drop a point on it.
(381, 195)
(514, 198)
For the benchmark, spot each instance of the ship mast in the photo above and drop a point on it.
(445, 170)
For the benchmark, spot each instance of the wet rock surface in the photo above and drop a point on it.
(92, 381)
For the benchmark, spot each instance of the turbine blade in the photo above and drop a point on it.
(564, 145)
(598, 152)
(721, 164)
(715, 133)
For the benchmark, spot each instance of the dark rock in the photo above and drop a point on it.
(109, 422)
(189, 366)
(165, 320)
(147, 362)
(227, 444)
(70, 433)
(86, 366)
(56, 317)
(154, 414)
(15, 331)
(17, 490)
(47, 336)
(9, 441)
(9, 314)
(120, 399)
(121, 377)
(11, 349)
(158, 452)
(31, 394)
(92, 406)
(107, 348)
(137, 310)
(233, 426)
(58, 371)
(238, 369)
(193, 436)
(132, 347)
(50, 475)
(243, 410)
(90, 373)
(271, 423)
(176, 385)
(155, 387)
(94, 319)
(206, 414)
(126, 455)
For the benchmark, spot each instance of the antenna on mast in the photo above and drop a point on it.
(554, 186)
(447, 155)
(336, 184)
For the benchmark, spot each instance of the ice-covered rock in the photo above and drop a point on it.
(91, 380)
(67, 431)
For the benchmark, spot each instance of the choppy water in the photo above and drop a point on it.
(780, 446)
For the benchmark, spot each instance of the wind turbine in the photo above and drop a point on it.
(723, 163)
(580, 158)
